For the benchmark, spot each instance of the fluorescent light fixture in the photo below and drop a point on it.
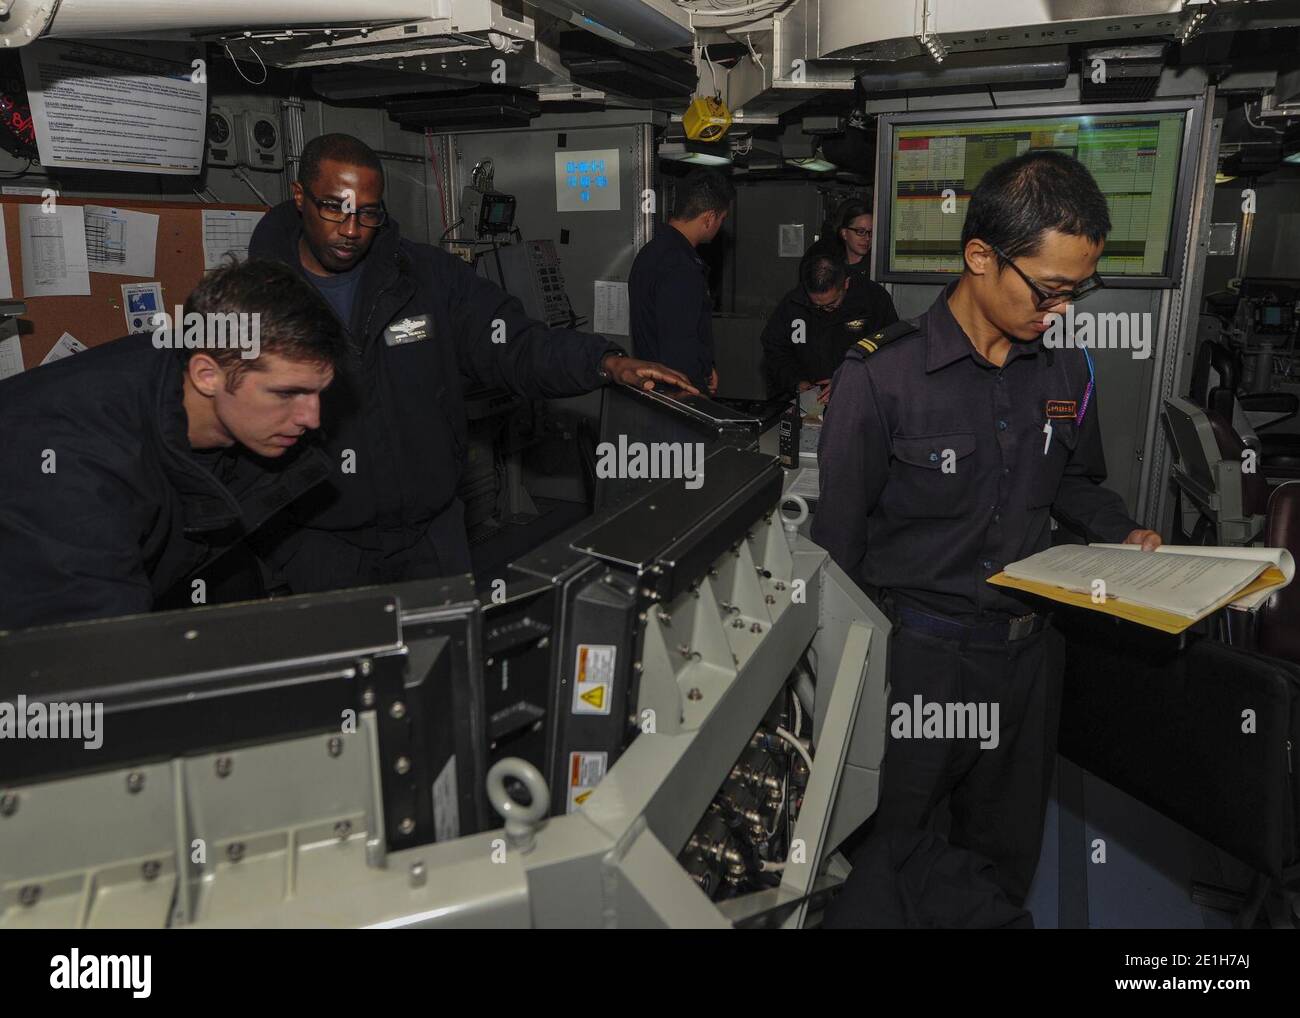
(814, 164)
(705, 159)
(697, 153)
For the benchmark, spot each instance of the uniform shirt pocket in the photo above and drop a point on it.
(931, 476)
(1051, 457)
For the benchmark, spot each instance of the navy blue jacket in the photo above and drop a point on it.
(423, 327)
(670, 310)
(104, 509)
(938, 468)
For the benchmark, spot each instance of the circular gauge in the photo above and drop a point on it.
(264, 134)
(218, 129)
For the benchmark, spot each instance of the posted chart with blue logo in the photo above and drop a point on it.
(586, 181)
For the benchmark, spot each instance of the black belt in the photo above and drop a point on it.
(1018, 628)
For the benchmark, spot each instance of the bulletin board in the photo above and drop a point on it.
(99, 317)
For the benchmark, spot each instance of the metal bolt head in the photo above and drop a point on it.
(134, 782)
(402, 764)
(665, 618)
(406, 826)
(29, 895)
(756, 628)
(335, 745)
(695, 694)
(737, 623)
(418, 874)
(365, 667)
(235, 851)
(8, 804)
(224, 765)
(368, 698)
(779, 585)
(769, 599)
(397, 711)
(151, 869)
(342, 829)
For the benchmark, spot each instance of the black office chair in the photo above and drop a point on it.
(1218, 370)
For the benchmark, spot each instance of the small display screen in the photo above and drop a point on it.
(498, 211)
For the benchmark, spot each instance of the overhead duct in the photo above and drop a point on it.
(818, 45)
(1043, 67)
(638, 24)
(22, 21)
(598, 63)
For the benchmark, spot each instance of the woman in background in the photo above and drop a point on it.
(852, 229)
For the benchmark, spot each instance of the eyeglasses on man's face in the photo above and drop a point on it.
(331, 210)
(1045, 298)
(862, 232)
(832, 299)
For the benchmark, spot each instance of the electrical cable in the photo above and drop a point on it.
(265, 72)
(241, 175)
(797, 746)
(1259, 127)
(437, 177)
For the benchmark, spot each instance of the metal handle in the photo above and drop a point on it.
(791, 525)
(520, 821)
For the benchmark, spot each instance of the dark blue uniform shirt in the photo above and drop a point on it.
(670, 307)
(936, 471)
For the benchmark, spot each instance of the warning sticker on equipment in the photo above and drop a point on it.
(593, 678)
(585, 772)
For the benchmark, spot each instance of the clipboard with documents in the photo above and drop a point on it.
(1169, 589)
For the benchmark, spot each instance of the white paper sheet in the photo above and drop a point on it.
(1279, 557)
(227, 231)
(128, 106)
(67, 345)
(11, 357)
(120, 241)
(54, 250)
(1182, 583)
(6, 281)
(611, 314)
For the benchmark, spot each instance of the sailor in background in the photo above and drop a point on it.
(668, 288)
(818, 321)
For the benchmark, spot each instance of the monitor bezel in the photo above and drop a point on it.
(1171, 275)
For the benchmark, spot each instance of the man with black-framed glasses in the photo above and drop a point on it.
(944, 456)
(421, 325)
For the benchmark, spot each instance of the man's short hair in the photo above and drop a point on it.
(701, 191)
(294, 322)
(822, 268)
(339, 148)
(1019, 200)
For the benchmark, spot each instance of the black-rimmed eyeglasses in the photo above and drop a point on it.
(1046, 298)
(331, 210)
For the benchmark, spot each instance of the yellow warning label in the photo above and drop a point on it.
(593, 679)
